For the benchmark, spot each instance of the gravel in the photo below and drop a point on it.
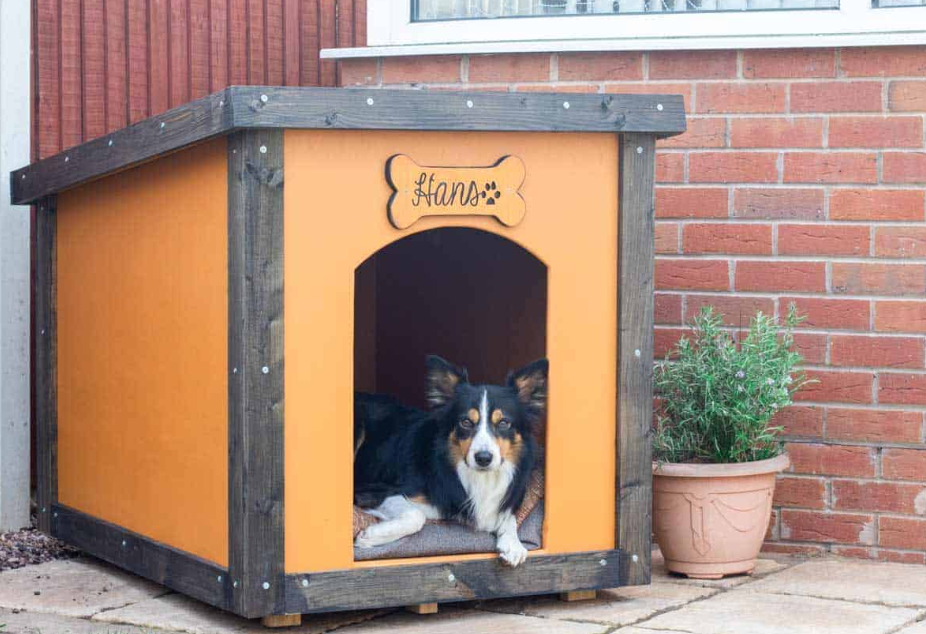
(29, 546)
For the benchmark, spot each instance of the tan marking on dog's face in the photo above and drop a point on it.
(497, 416)
(458, 448)
(419, 499)
(473, 415)
(511, 448)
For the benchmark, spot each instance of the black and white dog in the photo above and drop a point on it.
(467, 459)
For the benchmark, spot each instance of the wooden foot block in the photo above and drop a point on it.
(281, 620)
(578, 595)
(422, 608)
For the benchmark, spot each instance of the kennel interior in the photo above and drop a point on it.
(214, 283)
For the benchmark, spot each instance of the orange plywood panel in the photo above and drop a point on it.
(335, 203)
(142, 348)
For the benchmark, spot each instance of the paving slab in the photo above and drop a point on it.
(183, 614)
(859, 581)
(739, 611)
(916, 628)
(763, 567)
(35, 623)
(73, 587)
(621, 606)
(451, 621)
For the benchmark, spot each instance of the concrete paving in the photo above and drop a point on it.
(819, 596)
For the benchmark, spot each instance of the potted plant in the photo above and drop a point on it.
(715, 447)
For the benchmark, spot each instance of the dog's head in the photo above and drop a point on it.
(489, 424)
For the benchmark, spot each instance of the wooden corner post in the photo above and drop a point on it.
(635, 356)
(45, 358)
(255, 372)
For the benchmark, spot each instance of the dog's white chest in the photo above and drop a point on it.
(485, 492)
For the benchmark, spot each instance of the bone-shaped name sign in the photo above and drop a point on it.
(455, 191)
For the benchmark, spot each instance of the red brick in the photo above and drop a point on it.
(664, 339)
(509, 68)
(789, 63)
(667, 237)
(737, 310)
(876, 426)
(703, 275)
(904, 316)
(839, 314)
(359, 72)
(432, 69)
(830, 167)
(881, 554)
(800, 492)
(906, 96)
(781, 548)
(902, 532)
(890, 132)
(703, 132)
(876, 204)
(875, 351)
(884, 279)
(796, 204)
(691, 202)
(812, 347)
(768, 132)
(780, 276)
(611, 66)
(886, 497)
(904, 464)
(883, 60)
(739, 98)
(904, 167)
(727, 238)
(903, 389)
(692, 64)
(822, 240)
(815, 526)
(733, 167)
(667, 308)
(832, 96)
(581, 88)
(837, 386)
(800, 420)
(670, 168)
(653, 88)
(901, 242)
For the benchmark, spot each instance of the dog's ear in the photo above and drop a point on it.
(530, 382)
(442, 380)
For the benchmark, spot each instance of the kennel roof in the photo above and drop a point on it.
(240, 107)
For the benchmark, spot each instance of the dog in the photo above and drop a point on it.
(468, 458)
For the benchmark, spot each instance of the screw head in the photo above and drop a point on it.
(263, 149)
(265, 370)
(369, 101)
(219, 578)
(163, 124)
(659, 107)
(123, 543)
(234, 370)
(234, 584)
(24, 177)
(451, 578)
(55, 515)
(305, 583)
(67, 158)
(639, 150)
(43, 509)
(264, 98)
(110, 144)
(469, 103)
(265, 585)
(566, 105)
(602, 562)
(635, 559)
(636, 353)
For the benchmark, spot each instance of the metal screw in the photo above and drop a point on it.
(56, 515)
(602, 562)
(369, 101)
(566, 105)
(67, 158)
(234, 370)
(265, 586)
(162, 125)
(263, 149)
(222, 103)
(43, 331)
(219, 578)
(123, 543)
(234, 584)
(265, 370)
(110, 144)
(24, 177)
(636, 353)
(469, 103)
(659, 106)
(639, 150)
(451, 578)
(43, 509)
(635, 559)
(264, 98)
(305, 583)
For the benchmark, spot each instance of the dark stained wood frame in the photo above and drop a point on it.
(255, 584)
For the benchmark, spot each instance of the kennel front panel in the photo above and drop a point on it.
(142, 339)
(335, 218)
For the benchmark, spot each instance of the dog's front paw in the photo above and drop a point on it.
(364, 540)
(511, 550)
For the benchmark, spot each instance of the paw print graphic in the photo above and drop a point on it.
(491, 193)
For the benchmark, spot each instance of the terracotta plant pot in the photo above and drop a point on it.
(710, 519)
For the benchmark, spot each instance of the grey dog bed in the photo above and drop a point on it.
(451, 538)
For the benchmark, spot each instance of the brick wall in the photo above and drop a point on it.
(800, 180)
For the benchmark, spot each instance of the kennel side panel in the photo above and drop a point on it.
(635, 357)
(45, 359)
(255, 364)
(142, 394)
(336, 217)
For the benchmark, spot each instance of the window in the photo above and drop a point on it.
(421, 27)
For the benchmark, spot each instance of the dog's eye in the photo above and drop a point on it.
(504, 424)
(466, 423)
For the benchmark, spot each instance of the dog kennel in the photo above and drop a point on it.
(262, 246)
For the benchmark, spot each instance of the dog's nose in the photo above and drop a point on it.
(483, 458)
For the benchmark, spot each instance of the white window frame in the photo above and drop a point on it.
(390, 30)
